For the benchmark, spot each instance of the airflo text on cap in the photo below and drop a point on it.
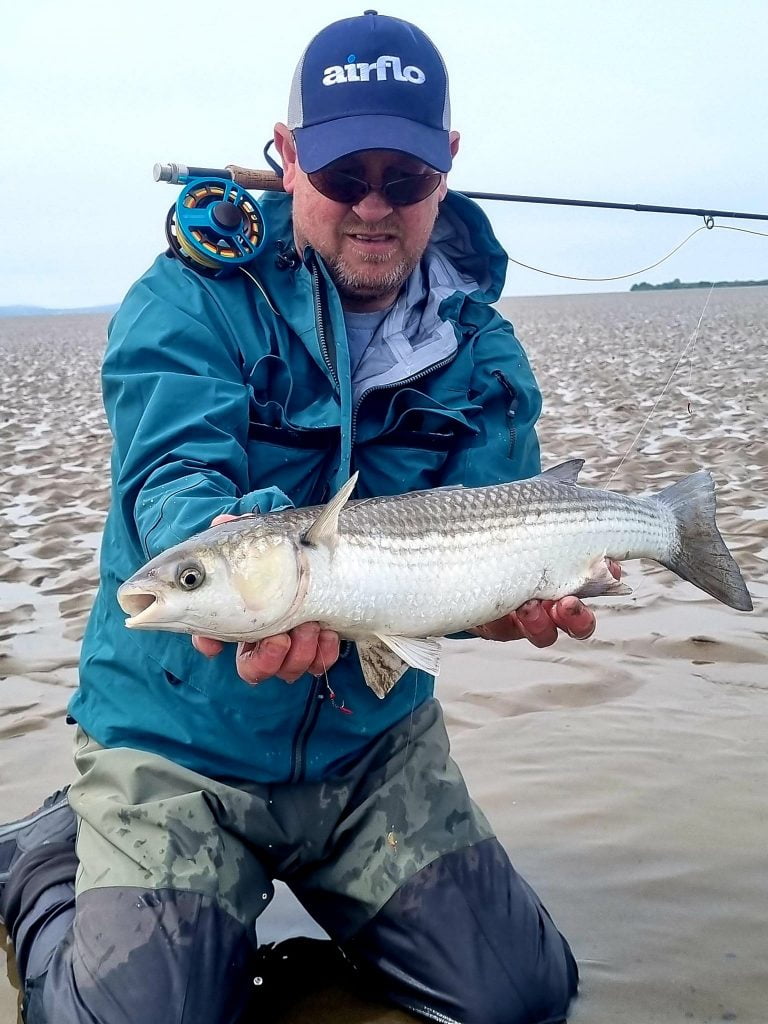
(370, 82)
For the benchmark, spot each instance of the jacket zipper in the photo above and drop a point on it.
(307, 724)
(315, 696)
(511, 409)
(429, 1013)
(320, 322)
(398, 384)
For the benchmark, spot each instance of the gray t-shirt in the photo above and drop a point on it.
(361, 328)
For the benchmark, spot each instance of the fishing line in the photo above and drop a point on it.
(708, 225)
(746, 231)
(410, 719)
(691, 342)
(331, 692)
(266, 297)
(408, 738)
(642, 270)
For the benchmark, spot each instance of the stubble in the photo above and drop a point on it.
(359, 284)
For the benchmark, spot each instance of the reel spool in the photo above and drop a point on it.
(214, 226)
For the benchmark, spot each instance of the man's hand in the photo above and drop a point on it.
(539, 621)
(307, 648)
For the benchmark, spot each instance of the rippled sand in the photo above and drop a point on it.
(627, 775)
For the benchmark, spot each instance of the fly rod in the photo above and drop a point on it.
(269, 181)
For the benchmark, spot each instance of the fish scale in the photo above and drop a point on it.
(403, 565)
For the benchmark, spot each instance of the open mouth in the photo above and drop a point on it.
(135, 605)
(373, 240)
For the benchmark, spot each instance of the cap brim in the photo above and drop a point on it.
(320, 144)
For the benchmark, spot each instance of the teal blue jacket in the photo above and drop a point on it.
(227, 396)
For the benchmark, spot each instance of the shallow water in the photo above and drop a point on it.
(626, 774)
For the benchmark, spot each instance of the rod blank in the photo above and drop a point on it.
(268, 181)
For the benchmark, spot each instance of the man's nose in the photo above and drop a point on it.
(373, 207)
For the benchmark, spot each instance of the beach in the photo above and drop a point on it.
(626, 775)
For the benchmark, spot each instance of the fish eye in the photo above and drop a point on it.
(189, 577)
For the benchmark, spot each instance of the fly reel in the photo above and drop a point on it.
(214, 226)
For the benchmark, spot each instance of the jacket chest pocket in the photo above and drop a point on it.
(293, 442)
(298, 461)
(418, 437)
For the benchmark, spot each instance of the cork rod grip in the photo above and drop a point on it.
(250, 177)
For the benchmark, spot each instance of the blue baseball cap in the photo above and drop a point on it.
(370, 82)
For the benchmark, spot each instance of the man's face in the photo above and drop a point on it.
(370, 247)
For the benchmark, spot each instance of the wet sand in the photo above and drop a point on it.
(626, 774)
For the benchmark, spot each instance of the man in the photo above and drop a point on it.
(370, 346)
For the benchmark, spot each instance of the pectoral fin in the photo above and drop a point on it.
(600, 580)
(384, 659)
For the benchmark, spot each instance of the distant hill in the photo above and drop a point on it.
(644, 286)
(45, 311)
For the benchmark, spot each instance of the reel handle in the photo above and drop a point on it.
(251, 177)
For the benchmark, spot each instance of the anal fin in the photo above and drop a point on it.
(600, 580)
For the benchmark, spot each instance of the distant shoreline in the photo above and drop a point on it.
(48, 311)
(644, 286)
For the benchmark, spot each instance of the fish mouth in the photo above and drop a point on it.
(136, 604)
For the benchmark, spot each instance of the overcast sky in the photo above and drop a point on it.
(652, 101)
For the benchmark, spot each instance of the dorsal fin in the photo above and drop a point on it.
(565, 472)
(325, 528)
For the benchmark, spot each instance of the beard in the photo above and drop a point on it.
(365, 286)
(375, 277)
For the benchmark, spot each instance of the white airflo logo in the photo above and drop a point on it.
(361, 71)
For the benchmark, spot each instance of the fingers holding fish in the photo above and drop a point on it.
(225, 517)
(257, 660)
(530, 622)
(539, 622)
(573, 617)
(208, 647)
(328, 644)
(301, 651)
(305, 648)
(503, 629)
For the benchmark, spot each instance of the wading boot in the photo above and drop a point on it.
(53, 823)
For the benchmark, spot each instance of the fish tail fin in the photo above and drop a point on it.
(700, 555)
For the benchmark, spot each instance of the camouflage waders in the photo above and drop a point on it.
(391, 857)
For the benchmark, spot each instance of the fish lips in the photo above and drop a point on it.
(140, 605)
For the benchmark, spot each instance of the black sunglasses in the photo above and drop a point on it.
(345, 188)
